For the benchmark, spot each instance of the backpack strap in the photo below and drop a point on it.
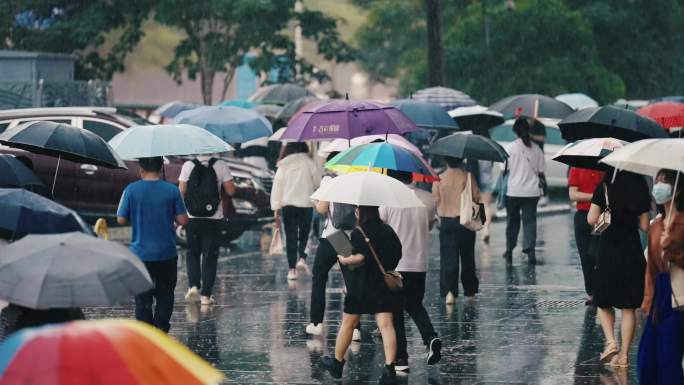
(370, 246)
(196, 162)
(212, 161)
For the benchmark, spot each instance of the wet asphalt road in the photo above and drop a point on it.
(528, 325)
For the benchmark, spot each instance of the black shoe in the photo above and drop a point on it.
(434, 351)
(333, 366)
(508, 256)
(401, 365)
(389, 375)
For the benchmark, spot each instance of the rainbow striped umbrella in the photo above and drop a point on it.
(104, 352)
(380, 157)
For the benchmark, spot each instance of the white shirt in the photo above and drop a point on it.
(296, 178)
(524, 165)
(412, 226)
(223, 174)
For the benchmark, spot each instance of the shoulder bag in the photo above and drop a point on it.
(472, 213)
(393, 279)
(604, 219)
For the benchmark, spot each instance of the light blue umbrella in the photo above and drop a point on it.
(239, 103)
(166, 140)
(425, 114)
(232, 124)
(577, 101)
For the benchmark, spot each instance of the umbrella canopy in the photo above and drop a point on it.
(279, 94)
(367, 189)
(577, 101)
(648, 156)
(277, 136)
(171, 109)
(339, 145)
(446, 97)
(668, 114)
(464, 146)
(609, 122)
(24, 212)
(166, 140)
(675, 99)
(63, 141)
(425, 115)
(381, 156)
(478, 119)
(238, 103)
(291, 108)
(347, 119)
(587, 153)
(232, 124)
(268, 110)
(106, 352)
(534, 105)
(14, 173)
(69, 270)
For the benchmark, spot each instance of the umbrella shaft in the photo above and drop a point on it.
(54, 181)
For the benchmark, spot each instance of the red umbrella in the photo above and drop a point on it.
(667, 114)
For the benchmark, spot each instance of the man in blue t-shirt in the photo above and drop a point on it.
(150, 206)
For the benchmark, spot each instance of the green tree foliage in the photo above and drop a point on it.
(219, 34)
(607, 49)
(76, 27)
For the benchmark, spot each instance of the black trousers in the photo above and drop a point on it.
(326, 257)
(203, 250)
(456, 247)
(413, 292)
(297, 222)
(164, 275)
(583, 240)
(528, 207)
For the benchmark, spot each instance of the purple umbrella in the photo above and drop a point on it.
(347, 119)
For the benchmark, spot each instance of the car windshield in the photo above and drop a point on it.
(130, 116)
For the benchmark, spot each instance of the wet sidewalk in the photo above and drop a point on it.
(528, 325)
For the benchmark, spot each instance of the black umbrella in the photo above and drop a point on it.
(15, 174)
(477, 119)
(279, 94)
(609, 122)
(24, 212)
(293, 106)
(534, 105)
(62, 141)
(469, 146)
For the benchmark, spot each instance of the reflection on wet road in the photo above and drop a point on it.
(528, 325)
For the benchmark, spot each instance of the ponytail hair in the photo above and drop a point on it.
(521, 127)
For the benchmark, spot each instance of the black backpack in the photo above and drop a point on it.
(202, 197)
(343, 216)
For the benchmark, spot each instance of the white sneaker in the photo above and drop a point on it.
(450, 299)
(292, 275)
(301, 264)
(193, 295)
(315, 330)
(356, 335)
(207, 300)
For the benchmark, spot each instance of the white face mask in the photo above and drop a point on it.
(662, 192)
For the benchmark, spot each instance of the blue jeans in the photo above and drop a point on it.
(528, 207)
(164, 275)
(456, 247)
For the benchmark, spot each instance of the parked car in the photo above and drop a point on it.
(556, 173)
(95, 191)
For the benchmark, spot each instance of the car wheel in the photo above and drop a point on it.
(181, 236)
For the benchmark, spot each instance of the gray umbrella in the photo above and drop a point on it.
(469, 146)
(69, 270)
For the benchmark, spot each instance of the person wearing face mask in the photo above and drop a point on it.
(662, 343)
(620, 266)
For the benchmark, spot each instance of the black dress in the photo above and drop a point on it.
(367, 292)
(620, 264)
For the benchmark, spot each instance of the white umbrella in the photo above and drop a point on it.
(276, 136)
(340, 145)
(648, 156)
(367, 189)
(586, 153)
(577, 101)
(166, 140)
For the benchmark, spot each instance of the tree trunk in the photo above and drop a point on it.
(435, 50)
(206, 77)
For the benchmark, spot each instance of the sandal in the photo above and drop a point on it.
(619, 362)
(609, 352)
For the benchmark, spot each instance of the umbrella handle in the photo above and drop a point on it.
(54, 180)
